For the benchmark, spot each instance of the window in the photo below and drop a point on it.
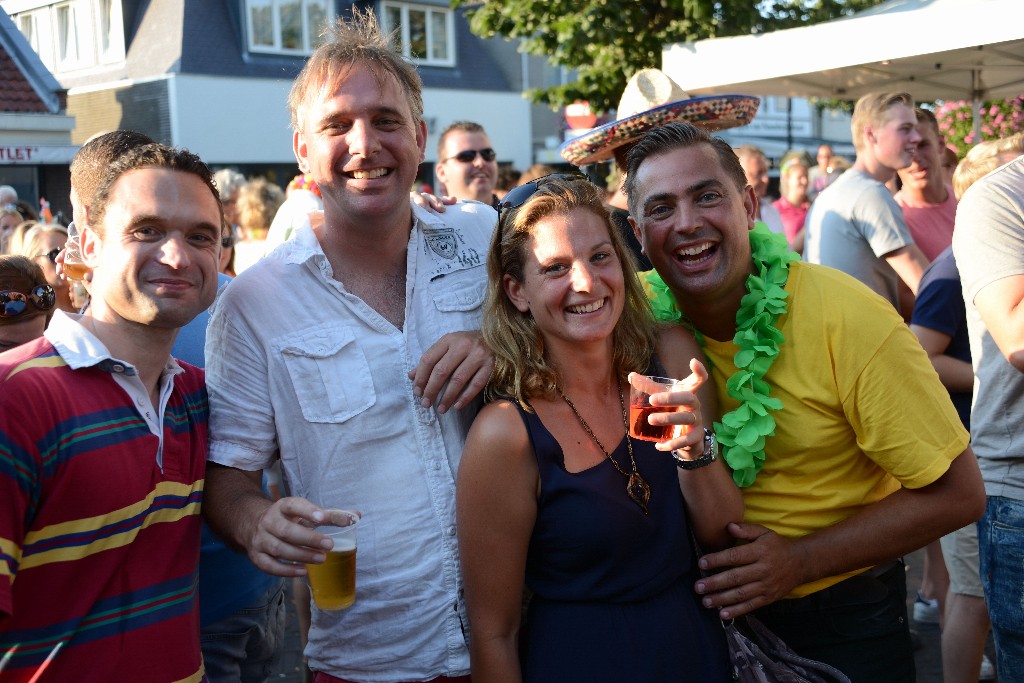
(426, 33)
(109, 31)
(67, 36)
(285, 26)
(30, 29)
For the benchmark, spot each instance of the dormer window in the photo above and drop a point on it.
(426, 32)
(289, 27)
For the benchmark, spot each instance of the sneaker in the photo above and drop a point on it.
(926, 611)
(988, 672)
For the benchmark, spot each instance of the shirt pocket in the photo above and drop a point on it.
(329, 373)
(461, 295)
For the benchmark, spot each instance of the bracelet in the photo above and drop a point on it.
(709, 456)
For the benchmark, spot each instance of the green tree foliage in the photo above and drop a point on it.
(606, 41)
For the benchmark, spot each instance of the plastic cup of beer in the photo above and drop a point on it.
(74, 266)
(640, 390)
(333, 583)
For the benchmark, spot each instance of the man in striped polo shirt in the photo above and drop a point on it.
(103, 443)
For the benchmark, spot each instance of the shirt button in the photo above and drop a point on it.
(117, 367)
(451, 531)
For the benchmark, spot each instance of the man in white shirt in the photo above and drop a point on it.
(330, 353)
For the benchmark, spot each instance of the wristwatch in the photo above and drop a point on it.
(709, 456)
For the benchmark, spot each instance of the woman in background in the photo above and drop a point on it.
(793, 204)
(42, 243)
(257, 204)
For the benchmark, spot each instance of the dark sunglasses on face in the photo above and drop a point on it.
(467, 156)
(518, 196)
(52, 254)
(13, 304)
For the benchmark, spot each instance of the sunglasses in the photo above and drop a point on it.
(52, 254)
(518, 196)
(469, 155)
(13, 304)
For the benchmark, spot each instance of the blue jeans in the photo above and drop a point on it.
(244, 647)
(1001, 554)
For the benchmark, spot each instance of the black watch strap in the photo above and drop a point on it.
(709, 456)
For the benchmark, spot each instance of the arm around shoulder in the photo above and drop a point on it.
(496, 506)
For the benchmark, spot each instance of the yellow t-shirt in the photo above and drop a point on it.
(863, 409)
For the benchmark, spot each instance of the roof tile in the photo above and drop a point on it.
(17, 94)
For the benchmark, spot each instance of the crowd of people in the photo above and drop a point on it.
(456, 370)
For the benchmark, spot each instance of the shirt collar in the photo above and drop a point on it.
(80, 348)
(304, 245)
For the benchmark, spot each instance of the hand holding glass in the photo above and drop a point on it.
(333, 583)
(642, 387)
(74, 266)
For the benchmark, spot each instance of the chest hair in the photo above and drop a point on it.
(383, 292)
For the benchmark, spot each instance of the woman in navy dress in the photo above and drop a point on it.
(552, 491)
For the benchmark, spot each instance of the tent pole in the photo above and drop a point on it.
(976, 105)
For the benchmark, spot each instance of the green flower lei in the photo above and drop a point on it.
(741, 433)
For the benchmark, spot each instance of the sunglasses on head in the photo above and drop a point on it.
(518, 196)
(468, 155)
(52, 254)
(13, 304)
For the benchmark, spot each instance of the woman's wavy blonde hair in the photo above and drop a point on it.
(521, 370)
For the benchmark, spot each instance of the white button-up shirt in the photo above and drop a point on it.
(297, 364)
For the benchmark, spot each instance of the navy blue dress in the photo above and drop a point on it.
(613, 589)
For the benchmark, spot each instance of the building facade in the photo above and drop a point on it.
(214, 75)
(35, 128)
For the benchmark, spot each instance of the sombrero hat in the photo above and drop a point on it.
(652, 99)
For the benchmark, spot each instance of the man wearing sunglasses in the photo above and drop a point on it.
(466, 163)
(103, 441)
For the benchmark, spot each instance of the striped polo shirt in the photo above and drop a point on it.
(99, 537)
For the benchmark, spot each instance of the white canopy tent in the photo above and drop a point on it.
(933, 49)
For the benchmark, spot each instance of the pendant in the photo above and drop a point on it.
(638, 490)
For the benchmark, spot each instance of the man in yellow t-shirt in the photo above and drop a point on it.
(867, 459)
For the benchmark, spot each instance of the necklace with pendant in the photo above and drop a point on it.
(637, 489)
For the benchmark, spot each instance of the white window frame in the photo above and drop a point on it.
(405, 7)
(310, 34)
(74, 13)
(114, 50)
(44, 32)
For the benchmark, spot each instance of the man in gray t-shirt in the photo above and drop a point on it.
(988, 243)
(855, 225)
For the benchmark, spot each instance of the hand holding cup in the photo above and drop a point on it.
(332, 582)
(70, 264)
(666, 410)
